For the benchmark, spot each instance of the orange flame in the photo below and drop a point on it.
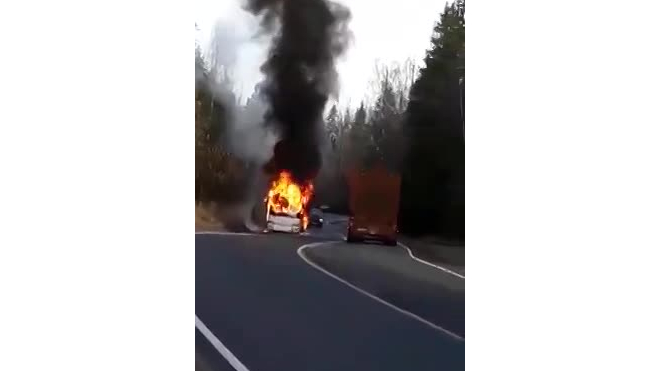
(285, 196)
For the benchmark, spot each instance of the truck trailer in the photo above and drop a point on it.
(373, 204)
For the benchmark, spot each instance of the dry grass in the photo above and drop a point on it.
(206, 216)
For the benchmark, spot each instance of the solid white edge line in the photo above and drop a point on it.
(228, 233)
(217, 344)
(446, 270)
(402, 311)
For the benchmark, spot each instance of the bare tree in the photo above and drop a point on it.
(398, 76)
(391, 85)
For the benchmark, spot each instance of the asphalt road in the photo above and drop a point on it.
(387, 272)
(274, 311)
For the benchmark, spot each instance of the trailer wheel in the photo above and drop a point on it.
(350, 237)
(391, 242)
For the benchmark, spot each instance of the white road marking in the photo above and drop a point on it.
(227, 233)
(217, 344)
(403, 311)
(446, 270)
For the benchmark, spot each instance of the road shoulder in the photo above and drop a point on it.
(450, 256)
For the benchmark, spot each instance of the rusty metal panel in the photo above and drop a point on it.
(374, 193)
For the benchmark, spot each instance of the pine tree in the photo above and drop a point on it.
(332, 124)
(433, 183)
(385, 127)
(346, 123)
(357, 139)
(361, 115)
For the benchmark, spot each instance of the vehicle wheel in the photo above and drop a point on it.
(350, 237)
(390, 242)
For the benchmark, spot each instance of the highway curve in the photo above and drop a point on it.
(274, 311)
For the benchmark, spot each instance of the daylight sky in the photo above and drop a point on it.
(385, 30)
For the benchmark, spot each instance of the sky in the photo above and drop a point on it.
(389, 31)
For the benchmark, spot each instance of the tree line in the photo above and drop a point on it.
(219, 175)
(414, 127)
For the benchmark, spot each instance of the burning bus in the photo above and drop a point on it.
(287, 204)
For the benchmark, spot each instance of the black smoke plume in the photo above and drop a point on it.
(300, 76)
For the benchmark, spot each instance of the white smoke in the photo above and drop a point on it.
(249, 138)
(233, 56)
(235, 53)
